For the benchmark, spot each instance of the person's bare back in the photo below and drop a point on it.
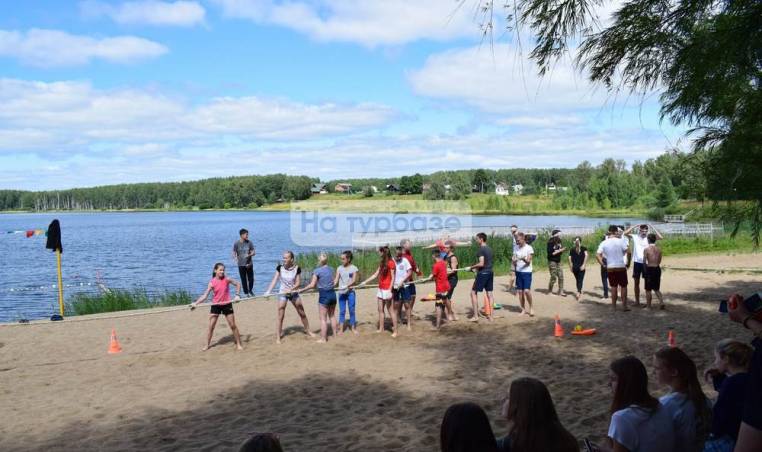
(652, 255)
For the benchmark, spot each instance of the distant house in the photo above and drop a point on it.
(318, 189)
(343, 188)
(425, 187)
(550, 187)
(447, 187)
(517, 189)
(502, 190)
(393, 188)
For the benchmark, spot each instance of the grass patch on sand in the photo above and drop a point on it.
(124, 300)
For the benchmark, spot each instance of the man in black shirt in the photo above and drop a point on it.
(484, 279)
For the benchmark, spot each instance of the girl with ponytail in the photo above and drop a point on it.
(690, 409)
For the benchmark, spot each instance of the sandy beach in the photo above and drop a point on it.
(62, 391)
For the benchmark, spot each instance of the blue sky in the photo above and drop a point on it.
(97, 92)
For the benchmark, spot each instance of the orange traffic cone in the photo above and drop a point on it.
(559, 330)
(487, 307)
(114, 346)
(671, 339)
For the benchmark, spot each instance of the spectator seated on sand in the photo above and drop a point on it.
(262, 442)
(465, 428)
(750, 433)
(691, 411)
(639, 422)
(535, 426)
(729, 375)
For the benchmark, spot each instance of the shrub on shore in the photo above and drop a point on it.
(124, 300)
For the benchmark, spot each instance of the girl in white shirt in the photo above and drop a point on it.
(639, 423)
(691, 411)
(289, 275)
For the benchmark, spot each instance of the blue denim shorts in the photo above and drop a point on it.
(327, 297)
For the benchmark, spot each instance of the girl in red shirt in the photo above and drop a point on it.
(441, 285)
(385, 275)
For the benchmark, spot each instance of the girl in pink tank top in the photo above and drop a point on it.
(219, 286)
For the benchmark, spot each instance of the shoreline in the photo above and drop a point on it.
(543, 213)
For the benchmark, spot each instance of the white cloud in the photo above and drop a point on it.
(370, 23)
(503, 82)
(552, 121)
(148, 12)
(47, 48)
(282, 119)
(73, 114)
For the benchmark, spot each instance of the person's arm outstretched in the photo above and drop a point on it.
(371, 277)
(237, 285)
(311, 285)
(204, 296)
(272, 283)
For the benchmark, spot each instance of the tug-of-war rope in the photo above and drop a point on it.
(191, 307)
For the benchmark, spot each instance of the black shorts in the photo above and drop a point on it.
(402, 294)
(653, 278)
(638, 270)
(453, 281)
(411, 290)
(224, 309)
(484, 280)
(440, 299)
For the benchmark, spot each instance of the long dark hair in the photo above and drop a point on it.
(262, 442)
(216, 266)
(632, 385)
(386, 256)
(465, 428)
(677, 360)
(535, 423)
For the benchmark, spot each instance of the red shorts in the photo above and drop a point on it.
(617, 277)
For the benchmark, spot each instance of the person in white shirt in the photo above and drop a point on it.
(400, 293)
(639, 244)
(514, 231)
(639, 422)
(522, 262)
(690, 409)
(616, 254)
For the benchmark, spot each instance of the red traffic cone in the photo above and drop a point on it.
(559, 331)
(671, 339)
(114, 346)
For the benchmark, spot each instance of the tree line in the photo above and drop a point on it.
(655, 183)
(215, 193)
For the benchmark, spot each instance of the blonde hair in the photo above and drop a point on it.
(736, 352)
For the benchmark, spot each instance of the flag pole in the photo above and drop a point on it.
(60, 283)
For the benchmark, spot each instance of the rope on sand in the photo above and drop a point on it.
(184, 307)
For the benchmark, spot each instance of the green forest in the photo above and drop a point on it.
(217, 193)
(656, 183)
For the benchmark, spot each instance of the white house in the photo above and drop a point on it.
(502, 190)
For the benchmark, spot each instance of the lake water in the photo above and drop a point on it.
(156, 250)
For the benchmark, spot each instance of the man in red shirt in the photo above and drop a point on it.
(441, 285)
(406, 247)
